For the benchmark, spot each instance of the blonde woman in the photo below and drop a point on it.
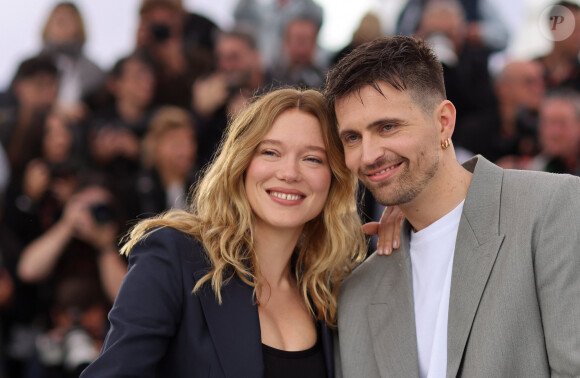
(244, 283)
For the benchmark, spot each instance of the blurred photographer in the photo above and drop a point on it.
(114, 134)
(36, 194)
(160, 35)
(78, 317)
(219, 96)
(82, 240)
(443, 24)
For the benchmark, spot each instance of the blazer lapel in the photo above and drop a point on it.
(234, 327)
(391, 314)
(478, 242)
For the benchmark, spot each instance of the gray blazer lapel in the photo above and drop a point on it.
(234, 327)
(391, 315)
(478, 242)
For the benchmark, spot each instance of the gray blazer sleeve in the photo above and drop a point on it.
(557, 267)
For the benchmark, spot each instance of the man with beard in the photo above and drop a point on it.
(485, 282)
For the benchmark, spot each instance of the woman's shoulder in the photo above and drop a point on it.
(171, 243)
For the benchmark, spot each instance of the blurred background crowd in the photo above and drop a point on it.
(86, 150)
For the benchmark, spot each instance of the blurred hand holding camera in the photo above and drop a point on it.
(87, 217)
(90, 218)
(210, 93)
(110, 143)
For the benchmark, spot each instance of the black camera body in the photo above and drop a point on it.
(160, 32)
(102, 213)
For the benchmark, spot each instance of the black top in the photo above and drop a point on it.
(307, 363)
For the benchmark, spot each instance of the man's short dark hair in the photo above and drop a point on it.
(242, 34)
(403, 62)
(119, 67)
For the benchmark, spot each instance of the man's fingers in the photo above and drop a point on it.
(397, 233)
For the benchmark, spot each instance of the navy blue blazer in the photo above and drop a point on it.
(159, 328)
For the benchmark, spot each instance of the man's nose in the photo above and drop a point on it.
(372, 150)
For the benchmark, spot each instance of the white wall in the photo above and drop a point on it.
(111, 26)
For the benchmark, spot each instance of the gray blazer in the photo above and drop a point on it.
(514, 309)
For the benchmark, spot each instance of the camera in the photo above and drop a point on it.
(73, 353)
(160, 32)
(102, 213)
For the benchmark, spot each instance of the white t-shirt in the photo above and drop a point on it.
(432, 252)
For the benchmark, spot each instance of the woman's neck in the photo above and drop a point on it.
(274, 248)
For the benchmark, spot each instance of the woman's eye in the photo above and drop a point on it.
(269, 153)
(314, 160)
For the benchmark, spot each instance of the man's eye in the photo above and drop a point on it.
(350, 138)
(388, 127)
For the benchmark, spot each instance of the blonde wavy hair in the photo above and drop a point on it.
(220, 216)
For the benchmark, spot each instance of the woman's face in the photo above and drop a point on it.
(176, 151)
(288, 179)
(63, 26)
(58, 139)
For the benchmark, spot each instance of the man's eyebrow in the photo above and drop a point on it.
(373, 124)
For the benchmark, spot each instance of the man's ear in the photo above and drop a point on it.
(445, 114)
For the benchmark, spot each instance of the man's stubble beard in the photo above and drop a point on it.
(407, 187)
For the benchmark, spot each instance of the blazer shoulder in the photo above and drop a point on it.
(172, 243)
(366, 275)
(538, 184)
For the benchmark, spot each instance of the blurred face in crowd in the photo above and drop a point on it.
(300, 42)
(37, 92)
(156, 23)
(559, 128)
(175, 151)
(63, 26)
(522, 84)
(571, 45)
(444, 18)
(236, 59)
(136, 84)
(58, 139)
(288, 179)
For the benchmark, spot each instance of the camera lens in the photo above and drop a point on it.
(102, 213)
(160, 32)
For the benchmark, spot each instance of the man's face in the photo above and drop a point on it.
(523, 84)
(37, 92)
(236, 59)
(559, 128)
(571, 45)
(389, 143)
(300, 42)
(136, 84)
